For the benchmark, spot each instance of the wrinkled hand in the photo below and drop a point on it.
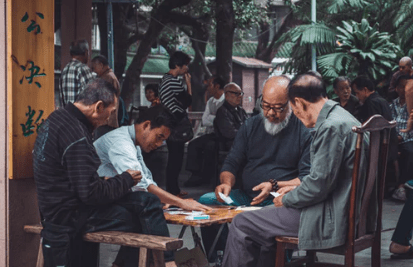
(278, 201)
(224, 189)
(190, 204)
(136, 176)
(265, 188)
(285, 189)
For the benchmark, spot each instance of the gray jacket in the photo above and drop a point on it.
(324, 194)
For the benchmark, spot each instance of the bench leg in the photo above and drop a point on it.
(40, 259)
(143, 257)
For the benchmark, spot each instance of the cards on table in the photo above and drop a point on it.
(275, 194)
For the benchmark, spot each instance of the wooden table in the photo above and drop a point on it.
(218, 215)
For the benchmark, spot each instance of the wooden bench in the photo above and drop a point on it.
(147, 244)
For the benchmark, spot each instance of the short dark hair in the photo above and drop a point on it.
(153, 87)
(307, 86)
(79, 47)
(179, 59)
(341, 79)
(158, 116)
(402, 78)
(363, 81)
(101, 59)
(97, 90)
(218, 80)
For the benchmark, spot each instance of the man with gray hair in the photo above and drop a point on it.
(76, 74)
(405, 69)
(272, 148)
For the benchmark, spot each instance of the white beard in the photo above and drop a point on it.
(274, 128)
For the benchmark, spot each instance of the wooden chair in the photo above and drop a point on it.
(358, 239)
(147, 244)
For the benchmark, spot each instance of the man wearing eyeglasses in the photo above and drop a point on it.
(272, 150)
(230, 116)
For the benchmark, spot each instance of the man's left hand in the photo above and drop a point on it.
(265, 188)
(278, 201)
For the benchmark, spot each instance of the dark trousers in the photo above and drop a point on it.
(403, 232)
(138, 212)
(173, 168)
(201, 156)
(406, 162)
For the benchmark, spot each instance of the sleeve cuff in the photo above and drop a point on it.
(128, 177)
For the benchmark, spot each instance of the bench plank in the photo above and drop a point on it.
(122, 238)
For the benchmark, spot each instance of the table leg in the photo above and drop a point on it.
(181, 234)
(197, 240)
(216, 240)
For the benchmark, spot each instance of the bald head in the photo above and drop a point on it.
(233, 94)
(405, 65)
(275, 89)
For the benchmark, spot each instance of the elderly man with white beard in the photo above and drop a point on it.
(271, 149)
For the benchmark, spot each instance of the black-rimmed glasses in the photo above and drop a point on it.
(265, 106)
(236, 93)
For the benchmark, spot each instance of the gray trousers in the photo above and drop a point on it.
(251, 239)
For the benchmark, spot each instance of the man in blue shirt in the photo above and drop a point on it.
(121, 149)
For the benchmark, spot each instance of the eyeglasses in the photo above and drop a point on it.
(265, 106)
(236, 93)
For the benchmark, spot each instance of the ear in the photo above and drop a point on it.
(99, 107)
(146, 125)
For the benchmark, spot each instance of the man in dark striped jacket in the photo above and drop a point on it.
(72, 197)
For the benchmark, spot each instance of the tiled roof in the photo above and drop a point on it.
(249, 62)
(244, 49)
(153, 65)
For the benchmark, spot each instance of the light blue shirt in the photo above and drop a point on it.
(117, 152)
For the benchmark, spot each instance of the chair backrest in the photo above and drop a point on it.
(373, 184)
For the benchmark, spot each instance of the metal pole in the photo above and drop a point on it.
(313, 50)
(111, 54)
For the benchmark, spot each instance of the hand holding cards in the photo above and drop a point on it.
(275, 194)
(226, 199)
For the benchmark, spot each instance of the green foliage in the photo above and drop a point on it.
(361, 50)
(299, 41)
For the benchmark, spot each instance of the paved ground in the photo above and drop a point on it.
(391, 211)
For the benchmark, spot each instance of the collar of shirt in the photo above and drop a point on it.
(328, 106)
(215, 101)
(72, 109)
(132, 133)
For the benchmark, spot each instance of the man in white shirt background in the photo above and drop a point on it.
(201, 151)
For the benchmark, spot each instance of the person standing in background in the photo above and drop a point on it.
(76, 74)
(174, 96)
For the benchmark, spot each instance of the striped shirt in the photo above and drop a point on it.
(174, 96)
(65, 168)
(74, 78)
(401, 116)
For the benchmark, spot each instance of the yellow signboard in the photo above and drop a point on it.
(30, 73)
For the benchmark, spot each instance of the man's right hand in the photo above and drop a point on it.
(136, 176)
(224, 189)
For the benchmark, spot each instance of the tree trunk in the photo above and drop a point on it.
(156, 25)
(103, 28)
(121, 34)
(225, 35)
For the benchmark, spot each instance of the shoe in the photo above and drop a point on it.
(409, 184)
(401, 256)
(399, 194)
(194, 181)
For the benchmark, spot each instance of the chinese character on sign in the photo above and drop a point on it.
(33, 69)
(28, 127)
(33, 25)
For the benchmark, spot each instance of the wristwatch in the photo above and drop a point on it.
(274, 185)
